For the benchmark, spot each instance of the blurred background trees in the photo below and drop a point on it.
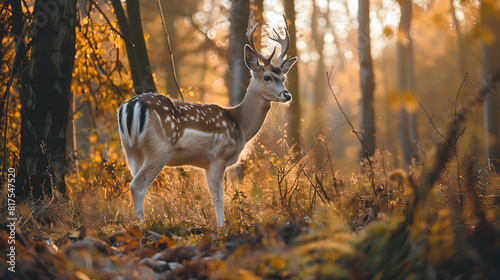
(418, 48)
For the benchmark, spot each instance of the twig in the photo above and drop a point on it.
(443, 154)
(6, 95)
(455, 149)
(431, 121)
(110, 25)
(452, 143)
(172, 64)
(328, 76)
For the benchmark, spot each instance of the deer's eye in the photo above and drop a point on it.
(267, 78)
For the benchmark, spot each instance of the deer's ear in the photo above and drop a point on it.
(251, 59)
(287, 65)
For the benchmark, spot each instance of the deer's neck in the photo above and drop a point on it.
(252, 112)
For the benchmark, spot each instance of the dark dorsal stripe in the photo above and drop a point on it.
(142, 120)
(120, 117)
(130, 114)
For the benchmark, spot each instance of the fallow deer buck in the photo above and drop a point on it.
(157, 131)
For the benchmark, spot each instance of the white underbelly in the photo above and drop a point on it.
(199, 148)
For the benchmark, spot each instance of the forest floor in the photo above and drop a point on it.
(412, 235)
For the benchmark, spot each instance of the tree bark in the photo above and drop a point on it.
(460, 40)
(366, 80)
(320, 86)
(237, 39)
(129, 48)
(45, 101)
(491, 64)
(318, 126)
(407, 121)
(293, 137)
(131, 28)
(257, 7)
(140, 50)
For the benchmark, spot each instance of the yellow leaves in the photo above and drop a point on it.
(98, 158)
(394, 101)
(276, 262)
(93, 138)
(410, 103)
(404, 99)
(388, 32)
(247, 275)
(440, 20)
(482, 33)
(7, 40)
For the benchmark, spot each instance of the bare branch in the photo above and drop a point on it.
(158, 2)
(110, 25)
(372, 174)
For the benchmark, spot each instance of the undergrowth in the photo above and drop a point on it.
(294, 218)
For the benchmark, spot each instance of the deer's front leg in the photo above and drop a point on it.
(215, 177)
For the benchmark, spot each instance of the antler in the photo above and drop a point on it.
(250, 32)
(284, 42)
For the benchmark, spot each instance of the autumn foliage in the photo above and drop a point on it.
(299, 213)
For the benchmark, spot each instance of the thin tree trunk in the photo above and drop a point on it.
(318, 127)
(124, 28)
(366, 79)
(293, 136)
(407, 122)
(237, 40)
(131, 27)
(45, 101)
(491, 64)
(412, 120)
(460, 40)
(140, 50)
(258, 9)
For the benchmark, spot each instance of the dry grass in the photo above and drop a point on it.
(273, 185)
(298, 218)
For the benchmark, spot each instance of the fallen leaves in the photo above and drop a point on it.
(131, 253)
(273, 250)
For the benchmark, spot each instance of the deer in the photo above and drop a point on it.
(158, 131)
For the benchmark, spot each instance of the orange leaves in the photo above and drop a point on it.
(131, 253)
(482, 33)
(404, 99)
(388, 32)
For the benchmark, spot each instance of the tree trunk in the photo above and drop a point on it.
(45, 101)
(366, 80)
(140, 50)
(320, 86)
(318, 127)
(293, 136)
(237, 40)
(491, 63)
(460, 40)
(131, 28)
(257, 7)
(407, 122)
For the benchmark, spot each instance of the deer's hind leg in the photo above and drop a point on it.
(145, 175)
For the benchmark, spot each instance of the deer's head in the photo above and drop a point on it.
(268, 79)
